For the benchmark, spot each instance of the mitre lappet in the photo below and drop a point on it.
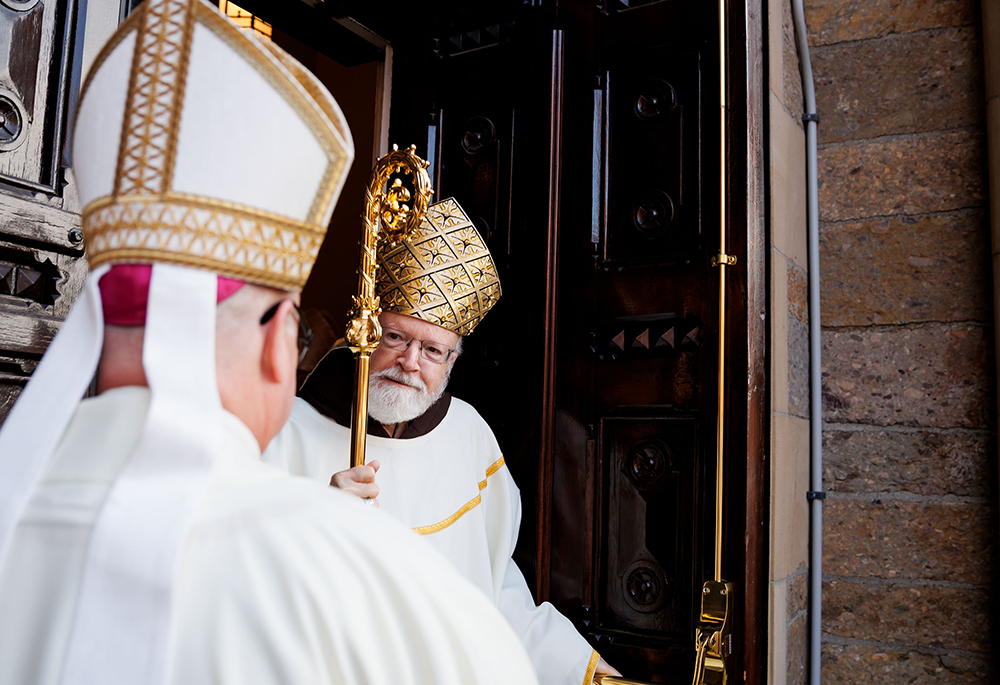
(205, 158)
(443, 273)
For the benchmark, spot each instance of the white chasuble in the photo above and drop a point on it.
(282, 580)
(450, 485)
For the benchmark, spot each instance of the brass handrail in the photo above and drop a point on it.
(722, 260)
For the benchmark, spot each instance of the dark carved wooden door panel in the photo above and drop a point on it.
(41, 265)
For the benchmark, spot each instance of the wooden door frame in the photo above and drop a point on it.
(546, 461)
(750, 292)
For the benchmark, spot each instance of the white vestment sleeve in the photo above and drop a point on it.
(559, 654)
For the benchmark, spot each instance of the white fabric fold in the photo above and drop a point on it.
(121, 631)
(39, 417)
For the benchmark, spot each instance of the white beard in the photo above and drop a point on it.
(389, 403)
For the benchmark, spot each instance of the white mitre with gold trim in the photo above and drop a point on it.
(198, 144)
(206, 153)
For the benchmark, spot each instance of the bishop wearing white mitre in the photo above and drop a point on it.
(142, 539)
(433, 461)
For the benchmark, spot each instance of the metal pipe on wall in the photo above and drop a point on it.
(815, 494)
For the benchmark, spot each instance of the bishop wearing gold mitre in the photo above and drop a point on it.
(143, 541)
(434, 463)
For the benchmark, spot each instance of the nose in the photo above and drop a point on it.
(409, 359)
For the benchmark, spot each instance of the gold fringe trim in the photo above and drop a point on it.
(207, 203)
(467, 507)
(248, 245)
(588, 677)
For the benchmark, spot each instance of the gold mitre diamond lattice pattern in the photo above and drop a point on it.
(144, 219)
(444, 274)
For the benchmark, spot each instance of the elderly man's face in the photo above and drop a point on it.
(408, 360)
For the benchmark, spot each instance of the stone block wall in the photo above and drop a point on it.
(909, 391)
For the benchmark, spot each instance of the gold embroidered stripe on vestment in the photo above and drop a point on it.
(468, 506)
(588, 677)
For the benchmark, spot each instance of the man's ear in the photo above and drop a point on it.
(280, 351)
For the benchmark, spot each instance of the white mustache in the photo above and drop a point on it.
(412, 380)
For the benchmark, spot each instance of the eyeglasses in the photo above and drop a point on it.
(305, 333)
(435, 352)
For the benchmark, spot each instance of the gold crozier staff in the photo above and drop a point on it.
(388, 219)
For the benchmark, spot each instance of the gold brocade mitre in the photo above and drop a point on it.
(444, 274)
(197, 143)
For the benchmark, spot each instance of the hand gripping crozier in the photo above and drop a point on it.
(142, 539)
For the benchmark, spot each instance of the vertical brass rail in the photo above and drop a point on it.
(713, 633)
(722, 260)
(388, 219)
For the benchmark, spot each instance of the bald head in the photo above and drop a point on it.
(255, 363)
